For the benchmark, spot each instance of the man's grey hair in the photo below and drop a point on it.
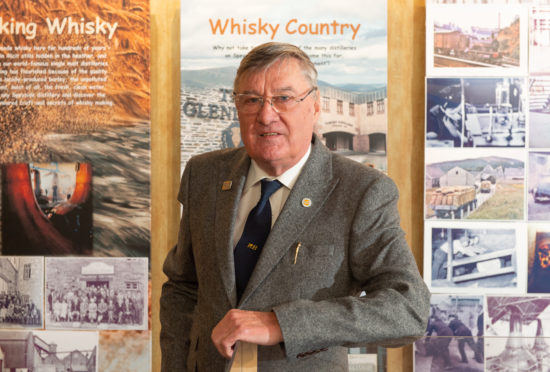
(265, 55)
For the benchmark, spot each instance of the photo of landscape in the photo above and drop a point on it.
(480, 184)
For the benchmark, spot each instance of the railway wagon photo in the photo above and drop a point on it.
(482, 39)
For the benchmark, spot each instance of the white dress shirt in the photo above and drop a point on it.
(252, 192)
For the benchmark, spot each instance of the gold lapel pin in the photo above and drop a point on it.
(306, 202)
(227, 185)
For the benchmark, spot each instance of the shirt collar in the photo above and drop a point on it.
(288, 178)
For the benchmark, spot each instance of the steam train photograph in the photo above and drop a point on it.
(472, 37)
(467, 47)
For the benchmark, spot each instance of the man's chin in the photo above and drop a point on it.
(274, 165)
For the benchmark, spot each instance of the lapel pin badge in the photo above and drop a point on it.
(306, 202)
(227, 185)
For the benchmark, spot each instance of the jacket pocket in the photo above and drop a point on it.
(320, 250)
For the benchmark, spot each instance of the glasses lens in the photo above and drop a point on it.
(249, 102)
(283, 103)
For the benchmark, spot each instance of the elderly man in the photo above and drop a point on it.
(279, 239)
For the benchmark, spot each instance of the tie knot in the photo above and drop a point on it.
(269, 187)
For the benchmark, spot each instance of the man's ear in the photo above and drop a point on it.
(317, 105)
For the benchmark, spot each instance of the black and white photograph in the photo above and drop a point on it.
(362, 362)
(475, 112)
(539, 258)
(96, 293)
(371, 358)
(21, 292)
(516, 334)
(539, 111)
(477, 184)
(484, 258)
(538, 198)
(454, 336)
(476, 40)
(48, 351)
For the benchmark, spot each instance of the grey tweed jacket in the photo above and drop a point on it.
(351, 242)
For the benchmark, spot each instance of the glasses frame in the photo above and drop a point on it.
(263, 100)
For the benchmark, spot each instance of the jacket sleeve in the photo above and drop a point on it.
(179, 293)
(394, 305)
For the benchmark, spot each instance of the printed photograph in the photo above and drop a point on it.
(466, 258)
(539, 112)
(47, 209)
(516, 334)
(21, 292)
(97, 293)
(480, 40)
(370, 358)
(454, 337)
(124, 351)
(538, 198)
(48, 351)
(352, 70)
(475, 112)
(539, 38)
(90, 105)
(539, 259)
(486, 184)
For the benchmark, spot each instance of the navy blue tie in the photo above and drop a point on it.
(255, 232)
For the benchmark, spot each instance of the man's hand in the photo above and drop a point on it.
(261, 328)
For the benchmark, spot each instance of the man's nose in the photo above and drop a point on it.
(267, 112)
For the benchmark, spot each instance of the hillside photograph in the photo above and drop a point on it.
(478, 184)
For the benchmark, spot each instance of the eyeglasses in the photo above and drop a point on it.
(252, 103)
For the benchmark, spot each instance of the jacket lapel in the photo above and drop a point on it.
(227, 203)
(315, 183)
